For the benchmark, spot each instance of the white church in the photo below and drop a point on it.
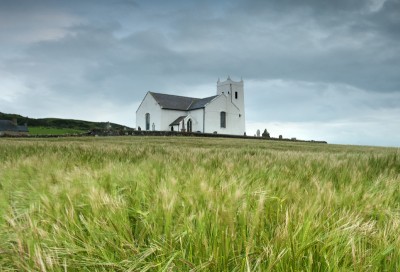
(222, 113)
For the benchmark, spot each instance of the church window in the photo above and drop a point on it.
(147, 121)
(236, 95)
(189, 125)
(223, 119)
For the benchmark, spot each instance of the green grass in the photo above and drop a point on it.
(53, 131)
(197, 204)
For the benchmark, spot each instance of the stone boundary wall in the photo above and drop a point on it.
(106, 133)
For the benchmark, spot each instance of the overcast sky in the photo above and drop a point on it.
(312, 69)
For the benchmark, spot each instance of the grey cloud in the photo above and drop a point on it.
(387, 21)
(283, 46)
(295, 101)
(214, 44)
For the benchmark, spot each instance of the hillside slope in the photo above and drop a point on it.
(59, 123)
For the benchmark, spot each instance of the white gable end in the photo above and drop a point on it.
(222, 108)
(148, 106)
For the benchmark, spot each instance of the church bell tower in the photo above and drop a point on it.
(234, 91)
(235, 94)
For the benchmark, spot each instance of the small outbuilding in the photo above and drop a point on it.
(11, 128)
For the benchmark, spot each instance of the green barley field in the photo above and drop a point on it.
(53, 131)
(197, 204)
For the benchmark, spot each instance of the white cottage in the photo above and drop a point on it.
(222, 113)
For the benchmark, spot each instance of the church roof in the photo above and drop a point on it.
(176, 102)
(6, 125)
(200, 103)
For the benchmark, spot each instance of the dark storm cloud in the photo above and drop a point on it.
(256, 39)
(330, 41)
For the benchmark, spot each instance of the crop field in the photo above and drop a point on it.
(53, 131)
(197, 204)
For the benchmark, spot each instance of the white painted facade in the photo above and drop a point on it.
(204, 115)
(149, 105)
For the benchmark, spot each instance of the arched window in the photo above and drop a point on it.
(223, 119)
(189, 125)
(147, 121)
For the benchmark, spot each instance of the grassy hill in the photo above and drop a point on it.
(58, 125)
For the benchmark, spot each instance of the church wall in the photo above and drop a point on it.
(168, 116)
(234, 123)
(149, 105)
(235, 120)
(197, 120)
(212, 115)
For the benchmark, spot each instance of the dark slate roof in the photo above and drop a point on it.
(175, 102)
(6, 125)
(178, 120)
(200, 103)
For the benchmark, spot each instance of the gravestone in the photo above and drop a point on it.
(266, 134)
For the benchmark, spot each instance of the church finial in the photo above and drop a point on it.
(218, 80)
(241, 79)
(229, 77)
